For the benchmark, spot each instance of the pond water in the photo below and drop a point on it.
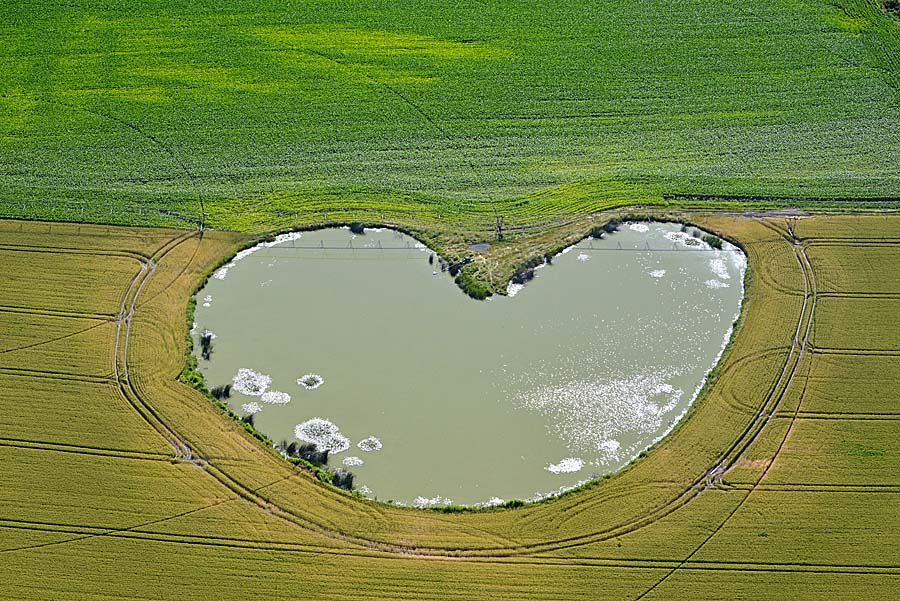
(429, 397)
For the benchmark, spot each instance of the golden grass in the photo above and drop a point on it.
(802, 482)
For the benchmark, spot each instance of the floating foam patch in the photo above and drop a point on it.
(369, 444)
(311, 381)
(566, 466)
(251, 407)
(584, 257)
(276, 398)
(207, 301)
(685, 239)
(716, 284)
(352, 461)
(222, 271)
(718, 267)
(250, 382)
(513, 289)
(658, 273)
(492, 502)
(609, 448)
(211, 335)
(432, 502)
(323, 434)
(639, 227)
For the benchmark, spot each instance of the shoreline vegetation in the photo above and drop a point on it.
(480, 275)
(314, 462)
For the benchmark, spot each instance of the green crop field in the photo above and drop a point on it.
(276, 114)
(126, 124)
(119, 481)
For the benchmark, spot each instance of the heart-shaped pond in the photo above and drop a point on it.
(361, 345)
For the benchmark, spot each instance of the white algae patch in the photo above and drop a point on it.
(658, 273)
(352, 461)
(513, 289)
(251, 407)
(432, 502)
(719, 268)
(369, 444)
(609, 448)
(492, 502)
(222, 271)
(566, 466)
(276, 398)
(639, 227)
(250, 382)
(323, 434)
(311, 381)
(584, 257)
(685, 239)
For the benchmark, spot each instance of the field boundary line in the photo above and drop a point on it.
(824, 350)
(822, 488)
(55, 313)
(86, 532)
(848, 416)
(83, 450)
(56, 375)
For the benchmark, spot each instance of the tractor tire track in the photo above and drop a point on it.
(810, 298)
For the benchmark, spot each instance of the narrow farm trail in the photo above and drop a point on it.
(798, 348)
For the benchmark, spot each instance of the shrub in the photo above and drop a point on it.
(471, 286)
(342, 479)
(206, 339)
(522, 276)
(221, 392)
(713, 241)
(452, 509)
(513, 503)
(311, 453)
